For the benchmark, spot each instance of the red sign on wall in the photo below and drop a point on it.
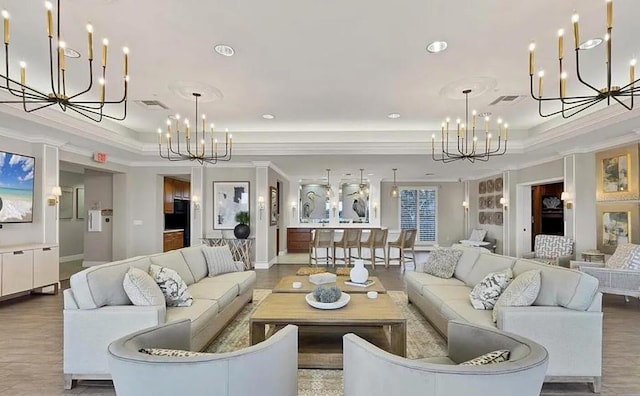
(100, 157)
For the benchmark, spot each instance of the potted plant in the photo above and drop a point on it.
(242, 230)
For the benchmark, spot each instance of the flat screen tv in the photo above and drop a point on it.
(16, 188)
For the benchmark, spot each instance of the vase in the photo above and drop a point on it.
(358, 273)
(242, 231)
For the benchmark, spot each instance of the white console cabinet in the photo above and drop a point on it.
(28, 267)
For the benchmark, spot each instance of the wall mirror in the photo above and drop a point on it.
(353, 204)
(314, 203)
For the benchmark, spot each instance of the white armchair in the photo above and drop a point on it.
(552, 250)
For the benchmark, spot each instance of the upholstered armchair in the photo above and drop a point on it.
(247, 372)
(552, 250)
(619, 275)
(368, 370)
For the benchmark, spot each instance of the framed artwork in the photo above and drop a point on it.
(229, 198)
(490, 186)
(353, 206)
(490, 203)
(498, 218)
(496, 200)
(482, 203)
(273, 205)
(498, 184)
(66, 203)
(482, 218)
(80, 203)
(617, 223)
(314, 204)
(482, 187)
(617, 176)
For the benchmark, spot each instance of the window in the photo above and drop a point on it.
(418, 209)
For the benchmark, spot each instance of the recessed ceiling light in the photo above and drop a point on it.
(224, 50)
(268, 116)
(592, 43)
(393, 116)
(71, 53)
(437, 46)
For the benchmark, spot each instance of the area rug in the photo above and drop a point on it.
(317, 270)
(422, 341)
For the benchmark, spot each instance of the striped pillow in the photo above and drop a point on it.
(219, 260)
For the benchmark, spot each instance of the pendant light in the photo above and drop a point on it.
(328, 189)
(363, 188)
(394, 188)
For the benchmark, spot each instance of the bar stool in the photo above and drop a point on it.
(377, 240)
(404, 244)
(322, 239)
(350, 240)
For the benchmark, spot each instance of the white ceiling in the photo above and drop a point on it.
(331, 72)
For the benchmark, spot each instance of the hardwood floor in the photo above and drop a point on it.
(31, 343)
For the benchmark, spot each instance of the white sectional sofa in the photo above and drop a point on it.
(566, 317)
(97, 310)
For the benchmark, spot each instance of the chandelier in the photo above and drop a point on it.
(33, 99)
(194, 147)
(394, 188)
(572, 105)
(363, 188)
(466, 147)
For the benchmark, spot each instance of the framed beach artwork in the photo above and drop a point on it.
(617, 176)
(273, 205)
(229, 198)
(617, 224)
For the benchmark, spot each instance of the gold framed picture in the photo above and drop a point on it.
(617, 224)
(617, 174)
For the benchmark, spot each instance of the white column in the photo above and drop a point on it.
(580, 183)
(197, 205)
(261, 221)
(48, 181)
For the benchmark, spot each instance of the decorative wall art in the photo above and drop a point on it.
(496, 199)
(617, 174)
(497, 218)
(490, 186)
(482, 219)
(229, 198)
(313, 203)
(498, 184)
(482, 187)
(490, 203)
(482, 202)
(273, 205)
(354, 205)
(617, 224)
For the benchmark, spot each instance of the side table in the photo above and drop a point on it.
(593, 256)
(241, 249)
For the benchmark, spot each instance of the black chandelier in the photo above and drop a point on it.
(466, 147)
(33, 99)
(193, 149)
(572, 105)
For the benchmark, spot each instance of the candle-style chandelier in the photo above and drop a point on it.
(33, 99)
(193, 148)
(466, 147)
(572, 105)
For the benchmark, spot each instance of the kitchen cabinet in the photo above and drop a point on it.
(298, 240)
(175, 189)
(173, 240)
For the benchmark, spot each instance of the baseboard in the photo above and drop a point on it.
(86, 263)
(263, 265)
(74, 257)
(282, 252)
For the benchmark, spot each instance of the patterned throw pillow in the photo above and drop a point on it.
(172, 286)
(141, 288)
(634, 261)
(498, 356)
(219, 260)
(442, 262)
(623, 254)
(478, 235)
(171, 352)
(521, 292)
(485, 294)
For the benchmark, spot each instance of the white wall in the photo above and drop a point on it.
(71, 230)
(98, 193)
(493, 231)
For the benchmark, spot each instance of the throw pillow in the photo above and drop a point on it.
(498, 356)
(485, 294)
(219, 260)
(442, 262)
(171, 352)
(521, 292)
(172, 286)
(634, 261)
(624, 252)
(141, 288)
(478, 235)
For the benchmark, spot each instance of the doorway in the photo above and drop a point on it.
(547, 211)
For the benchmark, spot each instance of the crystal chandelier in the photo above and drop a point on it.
(572, 105)
(33, 99)
(194, 147)
(466, 147)
(394, 188)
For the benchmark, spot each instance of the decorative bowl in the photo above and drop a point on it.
(342, 301)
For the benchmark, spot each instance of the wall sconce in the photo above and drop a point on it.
(333, 209)
(566, 197)
(261, 205)
(375, 209)
(293, 209)
(465, 205)
(504, 203)
(56, 192)
(195, 200)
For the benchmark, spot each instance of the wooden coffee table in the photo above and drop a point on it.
(320, 332)
(285, 285)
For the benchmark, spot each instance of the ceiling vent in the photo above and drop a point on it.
(152, 104)
(506, 100)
